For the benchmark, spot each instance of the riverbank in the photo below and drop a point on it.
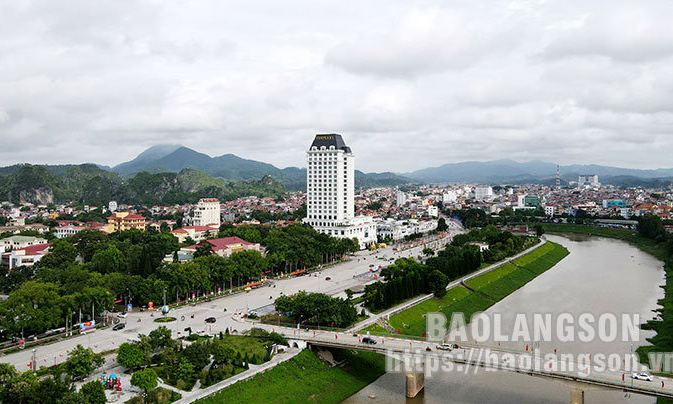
(663, 340)
(477, 294)
(648, 245)
(306, 378)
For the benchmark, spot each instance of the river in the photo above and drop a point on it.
(600, 275)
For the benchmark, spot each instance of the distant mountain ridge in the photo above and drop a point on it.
(174, 158)
(510, 171)
(89, 184)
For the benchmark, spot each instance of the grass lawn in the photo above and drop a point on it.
(413, 316)
(305, 379)
(535, 254)
(375, 329)
(248, 345)
(491, 276)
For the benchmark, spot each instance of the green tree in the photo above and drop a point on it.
(160, 337)
(438, 282)
(428, 252)
(94, 392)
(131, 356)
(203, 249)
(32, 309)
(222, 352)
(82, 362)
(144, 379)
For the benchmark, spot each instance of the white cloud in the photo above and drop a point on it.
(409, 84)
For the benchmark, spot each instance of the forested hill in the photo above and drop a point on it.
(92, 185)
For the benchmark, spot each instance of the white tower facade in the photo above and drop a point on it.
(330, 191)
(206, 212)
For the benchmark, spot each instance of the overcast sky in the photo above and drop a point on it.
(409, 84)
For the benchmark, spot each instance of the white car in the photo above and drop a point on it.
(122, 315)
(444, 347)
(642, 376)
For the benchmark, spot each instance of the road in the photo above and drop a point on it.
(343, 276)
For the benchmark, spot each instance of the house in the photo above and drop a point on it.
(121, 221)
(196, 233)
(25, 256)
(482, 246)
(18, 242)
(224, 247)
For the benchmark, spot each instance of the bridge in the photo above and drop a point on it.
(578, 377)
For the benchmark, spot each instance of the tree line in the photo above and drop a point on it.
(85, 274)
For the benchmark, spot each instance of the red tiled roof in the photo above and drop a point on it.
(35, 249)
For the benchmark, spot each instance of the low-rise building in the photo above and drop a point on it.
(121, 221)
(224, 247)
(26, 256)
(196, 233)
(18, 242)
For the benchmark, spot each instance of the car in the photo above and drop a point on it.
(118, 327)
(427, 348)
(371, 265)
(444, 347)
(122, 315)
(369, 340)
(328, 278)
(210, 320)
(642, 376)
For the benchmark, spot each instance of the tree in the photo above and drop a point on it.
(94, 392)
(107, 260)
(160, 337)
(197, 354)
(441, 225)
(539, 230)
(203, 249)
(7, 372)
(131, 356)
(428, 252)
(33, 308)
(18, 389)
(144, 379)
(438, 282)
(222, 352)
(82, 362)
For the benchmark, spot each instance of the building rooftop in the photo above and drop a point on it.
(330, 139)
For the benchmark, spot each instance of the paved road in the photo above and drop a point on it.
(342, 278)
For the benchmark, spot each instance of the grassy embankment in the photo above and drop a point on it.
(306, 379)
(488, 289)
(663, 341)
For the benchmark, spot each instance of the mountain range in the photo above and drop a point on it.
(173, 158)
(513, 172)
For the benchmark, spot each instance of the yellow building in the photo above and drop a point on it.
(121, 221)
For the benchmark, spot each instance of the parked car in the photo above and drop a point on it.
(444, 347)
(210, 320)
(369, 340)
(118, 327)
(328, 278)
(122, 315)
(643, 376)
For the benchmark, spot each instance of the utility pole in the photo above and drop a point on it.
(164, 296)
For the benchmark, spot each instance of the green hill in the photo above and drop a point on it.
(92, 185)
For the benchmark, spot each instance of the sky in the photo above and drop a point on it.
(409, 84)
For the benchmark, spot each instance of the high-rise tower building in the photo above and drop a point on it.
(330, 191)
